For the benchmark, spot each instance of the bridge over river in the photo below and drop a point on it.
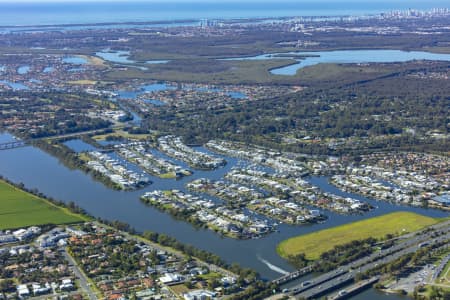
(22, 143)
(13, 144)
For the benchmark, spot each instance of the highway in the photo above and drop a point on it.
(348, 276)
(343, 294)
(404, 241)
(329, 281)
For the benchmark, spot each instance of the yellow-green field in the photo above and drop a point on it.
(314, 244)
(94, 60)
(122, 134)
(83, 82)
(20, 209)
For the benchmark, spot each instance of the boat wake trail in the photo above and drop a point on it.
(272, 267)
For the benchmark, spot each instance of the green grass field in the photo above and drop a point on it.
(20, 209)
(314, 244)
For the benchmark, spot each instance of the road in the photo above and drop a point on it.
(84, 283)
(361, 285)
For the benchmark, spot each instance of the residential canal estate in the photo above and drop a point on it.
(37, 169)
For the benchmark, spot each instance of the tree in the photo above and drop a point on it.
(213, 283)
(188, 283)
(446, 295)
(6, 285)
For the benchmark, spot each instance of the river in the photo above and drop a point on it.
(37, 169)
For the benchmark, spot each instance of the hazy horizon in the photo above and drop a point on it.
(56, 12)
(221, 1)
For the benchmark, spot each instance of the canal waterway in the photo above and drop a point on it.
(37, 169)
(14, 85)
(122, 57)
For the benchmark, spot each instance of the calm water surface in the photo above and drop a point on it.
(345, 56)
(76, 60)
(152, 62)
(116, 56)
(15, 85)
(23, 70)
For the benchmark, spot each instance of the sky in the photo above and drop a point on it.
(439, 3)
(206, 1)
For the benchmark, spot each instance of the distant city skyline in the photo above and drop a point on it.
(51, 12)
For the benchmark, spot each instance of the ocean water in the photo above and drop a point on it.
(27, 13)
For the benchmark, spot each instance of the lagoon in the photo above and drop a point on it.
(48, 69)
(122, 57)
(115, 56)
(343, 57)
(76, 60)
(154, 87)
(23, 70)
